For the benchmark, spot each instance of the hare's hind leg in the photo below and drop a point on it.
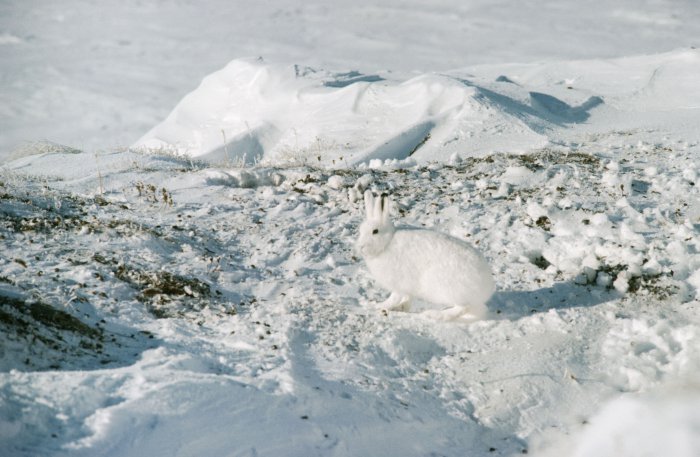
(396, 302)
(454, 313)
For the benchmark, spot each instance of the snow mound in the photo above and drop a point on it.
(252, 112)
(662, 423)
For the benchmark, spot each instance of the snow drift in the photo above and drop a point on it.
(254, 112)
(661, 423)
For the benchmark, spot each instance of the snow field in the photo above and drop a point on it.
(249, 309)
(201, 296)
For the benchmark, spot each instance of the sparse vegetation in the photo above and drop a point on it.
(166, 294)
(53, 337)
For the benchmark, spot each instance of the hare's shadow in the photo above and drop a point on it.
(513, 304)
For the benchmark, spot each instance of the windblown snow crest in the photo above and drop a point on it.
(252, 112)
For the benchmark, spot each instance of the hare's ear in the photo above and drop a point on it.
(378, 209)
(369, 204)
(385, 208)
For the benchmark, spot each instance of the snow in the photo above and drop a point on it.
(252, 112)
(98, 78)
(664, 423)
(187, 283)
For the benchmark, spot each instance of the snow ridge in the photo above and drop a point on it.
(253, 112)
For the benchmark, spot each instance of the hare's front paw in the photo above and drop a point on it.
(395, 302)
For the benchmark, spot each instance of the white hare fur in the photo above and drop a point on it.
(423, 264)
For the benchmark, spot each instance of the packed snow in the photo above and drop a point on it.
(190, 283)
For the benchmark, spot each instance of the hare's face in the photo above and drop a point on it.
(377, 230)
(374, 237)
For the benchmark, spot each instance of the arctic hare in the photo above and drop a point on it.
(423, 264)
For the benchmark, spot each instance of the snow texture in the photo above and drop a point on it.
(199, 292)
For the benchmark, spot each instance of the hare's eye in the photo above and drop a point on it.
(375, 231)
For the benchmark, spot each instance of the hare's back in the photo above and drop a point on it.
(432, 247)
(445, 266)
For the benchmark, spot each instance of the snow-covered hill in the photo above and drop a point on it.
(199, 293)
(252, 112)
